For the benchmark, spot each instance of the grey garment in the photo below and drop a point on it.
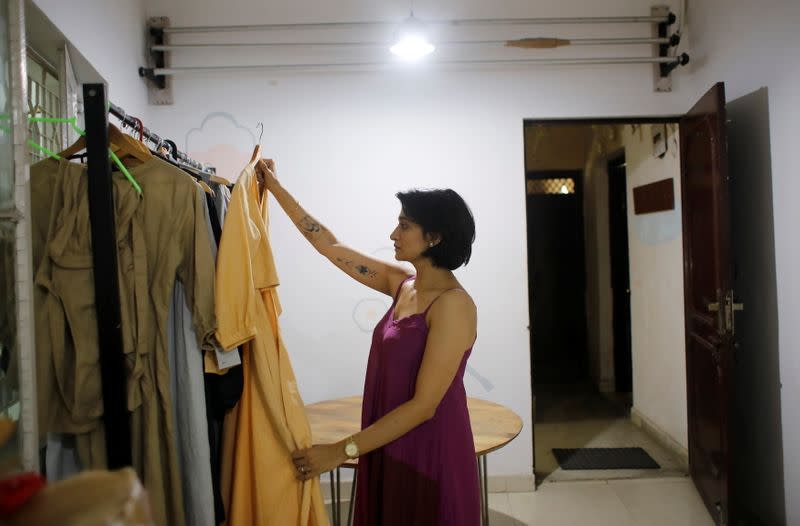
(61, 457)
(222, 199)
(189, 407)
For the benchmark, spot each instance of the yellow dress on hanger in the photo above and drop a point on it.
(259, 484)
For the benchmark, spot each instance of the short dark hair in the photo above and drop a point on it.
(445, 213)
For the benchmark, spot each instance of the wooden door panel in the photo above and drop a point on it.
(707, 279)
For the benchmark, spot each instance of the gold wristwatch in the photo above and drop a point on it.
(351, 448)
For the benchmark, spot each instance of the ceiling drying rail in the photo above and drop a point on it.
(664, 56)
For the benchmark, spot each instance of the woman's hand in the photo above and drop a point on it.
(316, 460)
(265, 169)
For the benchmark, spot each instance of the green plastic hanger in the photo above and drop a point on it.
(73, 121)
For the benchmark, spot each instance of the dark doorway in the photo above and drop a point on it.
(620, 275)
(556, 277)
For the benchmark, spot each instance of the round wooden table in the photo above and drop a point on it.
(493, 426)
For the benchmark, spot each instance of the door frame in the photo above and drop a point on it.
(623, 358)
(588, 121)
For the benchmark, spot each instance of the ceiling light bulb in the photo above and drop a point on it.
(412, 47)
(412, 43)
(564, 189)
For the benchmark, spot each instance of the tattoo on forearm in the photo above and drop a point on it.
(309, 225)
(361, 269)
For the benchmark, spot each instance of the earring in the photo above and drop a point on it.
(430, 244)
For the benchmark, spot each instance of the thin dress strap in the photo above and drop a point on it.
(425, 312)
(400, 287)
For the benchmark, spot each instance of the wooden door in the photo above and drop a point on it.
(709, 303)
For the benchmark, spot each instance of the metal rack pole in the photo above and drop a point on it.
(106, 279)
(386, 43)
(458, 22)
(146, 133)
(668, 61)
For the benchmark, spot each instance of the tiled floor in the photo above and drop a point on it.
(640, 502)
(645, 502)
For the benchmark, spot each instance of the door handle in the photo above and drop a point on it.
(713, 307)
(730, 308)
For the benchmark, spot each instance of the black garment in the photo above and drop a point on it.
(222, 394)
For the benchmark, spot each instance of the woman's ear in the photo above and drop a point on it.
(433, 239)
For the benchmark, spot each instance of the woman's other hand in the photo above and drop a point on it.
(316, 460)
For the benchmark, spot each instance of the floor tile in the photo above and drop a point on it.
(662, 502)
(571, 504)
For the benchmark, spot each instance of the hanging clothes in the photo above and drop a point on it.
(269, 423)
(223, 391)
(161, 235)
(189, 404)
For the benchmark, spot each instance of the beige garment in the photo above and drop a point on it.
(161, 235)
(259, 484)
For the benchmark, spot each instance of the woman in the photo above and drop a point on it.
(417, 457)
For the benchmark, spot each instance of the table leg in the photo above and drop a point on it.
(352, 498)
(485, 489)
(338, 496)
(334, 500)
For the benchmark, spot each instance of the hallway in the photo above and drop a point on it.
(575, 416)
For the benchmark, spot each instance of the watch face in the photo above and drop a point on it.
(351, 450)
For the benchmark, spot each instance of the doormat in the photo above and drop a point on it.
(605, 458)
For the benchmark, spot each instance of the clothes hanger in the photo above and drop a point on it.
(127, 145)
(72, 122)
(257, 150)
(82, 139)
(166, 149)
(255, 157)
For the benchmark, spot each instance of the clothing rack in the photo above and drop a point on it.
(158, 142)
(116, 416)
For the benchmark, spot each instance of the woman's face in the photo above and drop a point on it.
(409, 241)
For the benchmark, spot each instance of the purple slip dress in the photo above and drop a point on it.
(428, 476)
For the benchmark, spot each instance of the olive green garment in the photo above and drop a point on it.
(161, 235)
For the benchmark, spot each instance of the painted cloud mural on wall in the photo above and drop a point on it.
(222, 142)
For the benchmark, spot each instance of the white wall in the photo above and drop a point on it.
(757, 394)
(110, 34)
(749, 45)
(345, 143)
(655, 244)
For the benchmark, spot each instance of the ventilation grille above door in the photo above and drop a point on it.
(551, 186)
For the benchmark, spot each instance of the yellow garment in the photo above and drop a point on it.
(259, 482)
